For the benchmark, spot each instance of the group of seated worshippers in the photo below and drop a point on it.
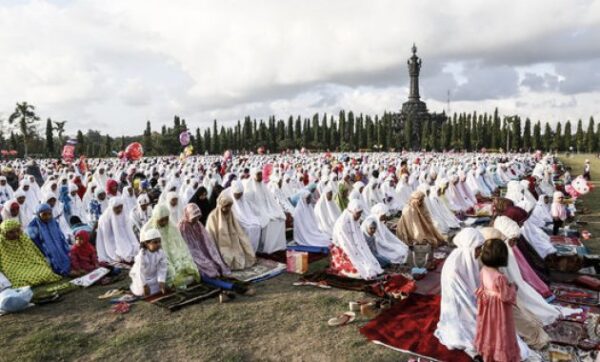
(202, 219)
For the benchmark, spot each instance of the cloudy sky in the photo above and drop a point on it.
(112, 64)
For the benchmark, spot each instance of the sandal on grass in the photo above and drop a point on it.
(342, 319)
(111, 293)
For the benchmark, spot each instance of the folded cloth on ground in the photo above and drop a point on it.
(575, 295)
(409, 326)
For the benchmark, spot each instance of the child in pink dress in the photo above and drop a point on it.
(496, 335)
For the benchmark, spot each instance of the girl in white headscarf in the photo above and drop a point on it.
(140, 215)
(306, 231)
(388, 245)
(89, 193)
(6, 191)
(174, 205)
(58, 214)
(129, 199)
(327, 211)
(350, 254)
(115, 240)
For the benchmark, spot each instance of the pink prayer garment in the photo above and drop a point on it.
(496, 335)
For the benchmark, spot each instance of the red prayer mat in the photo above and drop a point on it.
(409, 325)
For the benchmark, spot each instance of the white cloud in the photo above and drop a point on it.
(114, 64)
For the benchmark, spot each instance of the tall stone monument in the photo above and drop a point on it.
(415, 110)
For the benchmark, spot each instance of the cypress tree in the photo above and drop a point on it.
(591, 136)
(580, 137)
(49, 138)
(547, 141)
(527, 134)
(567, 137)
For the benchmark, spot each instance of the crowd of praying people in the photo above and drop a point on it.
(175, 223)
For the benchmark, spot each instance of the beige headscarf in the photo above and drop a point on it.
(415, 225)
(229, 236)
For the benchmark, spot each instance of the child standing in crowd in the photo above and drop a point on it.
(496, 335)
(83, 254)
(149, 272)
(558, 210)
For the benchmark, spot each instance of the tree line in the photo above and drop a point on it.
(346, 131)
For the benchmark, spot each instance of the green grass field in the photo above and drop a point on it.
(281, 322)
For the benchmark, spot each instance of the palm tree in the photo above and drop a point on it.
(60, 128)
(25, 114)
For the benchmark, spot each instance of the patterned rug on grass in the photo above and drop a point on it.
(183, 298)
(262, 270)
(408, 326)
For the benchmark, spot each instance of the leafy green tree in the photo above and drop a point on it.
(27, 119)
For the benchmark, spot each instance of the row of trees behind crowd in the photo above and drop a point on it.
(344, 132)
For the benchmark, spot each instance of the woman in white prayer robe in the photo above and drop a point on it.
(327, 211)
(464, 189)
(115, 240)
(388, 244)
(534, 234)
(449, 218)
(306, 230)
(403, 191)
(244, 214)
(438, 220)
(275, 185)
(528, 297)
(514, 192)
(350, 253)
(371, 194)
(77, 207)
(541, 212)
(459, 280)
(269, 213)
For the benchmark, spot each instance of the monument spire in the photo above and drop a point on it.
(414, 67)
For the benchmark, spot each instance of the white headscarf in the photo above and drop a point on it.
(388, 245)
(115, 241)
(306, 231)
(348, 236)
(459, 281)
(326, 211)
